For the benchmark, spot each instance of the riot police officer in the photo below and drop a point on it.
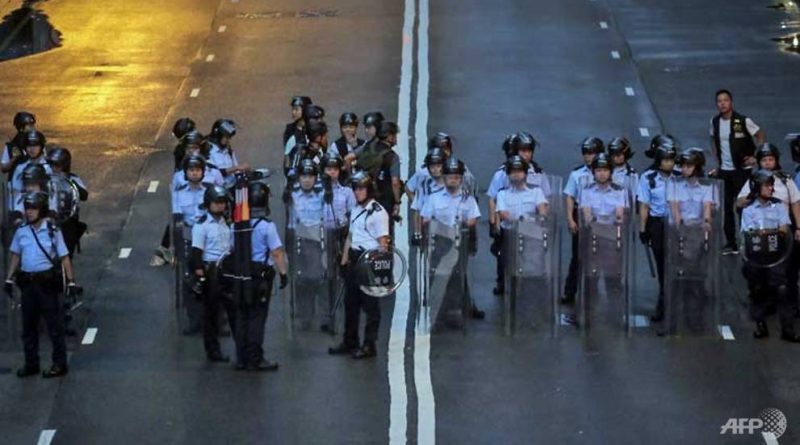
(267, 253)
(620, 151)
(519, 199)
(191, 142)
(33, 143)
(311, 114)
(429, 184)
(221, 153)
(382, 163)
(372, 122)
(652, 197)
(38, 250)
(590, 148)
(349, 141)
(444, 142)
(182, 126)
(307, 196)
(369, 229)
(298, 103)
(60, 161)
(768, 285)
(14, 152)
(211, 240)
(523, 145)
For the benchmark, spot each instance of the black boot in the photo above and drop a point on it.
(55, 371)
(761, 330)
(27, 371)
(658, 315)
(367, 351)
(341, 349)
(790, 336)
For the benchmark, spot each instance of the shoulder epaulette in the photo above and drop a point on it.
(616, 186)
(629, 169)
(376, 207)
(181, 187)
(203, 218)
(536, 167)
(775, 200)
(579, 167)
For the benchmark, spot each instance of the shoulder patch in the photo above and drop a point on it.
(579, 167)
(775, 200)
(203, 218)
(376, 207)
(182, 187)
(616, 186)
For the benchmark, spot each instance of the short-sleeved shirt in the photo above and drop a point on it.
(337, 213)
(221, 157)
(446, 208)
(785, 190)
(213, 236)
(426, 187)
(306, 208)
(576, 178)
(603, 200)
(500, 181)
(186, 201)
(691, 196)
(726, 160)
(368, 223)
(520, 202)
(767, 215)
(32, 258)
(653, 192)
(265, 239)
(625, 176)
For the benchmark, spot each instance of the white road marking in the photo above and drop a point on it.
(125, 252)
(89, 336)
(615, 54)
(426, 403)
(644, 132)
(195, 92)
(769, 438)
(398, 396)
(726, 332)
(629, 91)
(222, 28)
(152, 187)
(210, 58)
(640, 321)
(604, 25)
(45, 437)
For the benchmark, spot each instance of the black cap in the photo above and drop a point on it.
(348, 118)
(592, 145)
(300, 101)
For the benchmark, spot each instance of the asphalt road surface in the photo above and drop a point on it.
(475, 69)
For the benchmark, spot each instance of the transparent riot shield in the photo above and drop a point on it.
(308, 262)
(333, 301)
(604, 298)
(531, 251)
(691, 269)
(64, 198)
(445, 301)
(764, 248)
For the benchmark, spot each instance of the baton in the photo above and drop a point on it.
(649, 254)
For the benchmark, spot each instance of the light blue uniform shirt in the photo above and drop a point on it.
(445, 208)
(306, 209)
(624, 176)
(265, 240)
(214, 237)
(417, 179)
(797, 178)
(500, 181)
(769, 215)
(186, 200)
(576, 178)
(425, 189)
(210, 176)
(520, 203)
(691, 196)
(603, 201)
(656, 196)
(337, 213)
(32, 259)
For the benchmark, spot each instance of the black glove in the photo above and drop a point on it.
(284, 280)
(644, 237)
(8, 287)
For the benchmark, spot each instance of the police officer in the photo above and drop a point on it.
(652, 197)
(14, 152)
(429, 184)
(307, 196)
(349, 140)
(603, 200)
(60, 161)
(297, 124)
(523, 145)
(190, 143)
(768, 285)
(620, 153)
(369, 229)
(182, 126)
(221, 154)
(451, 205)
(519, 200)
(39, 252)
(590, 148)
(372, 122)
(33, 143)
(212, 238)
(267, 253)
(382, 163)
(34, 179)
(311, 113)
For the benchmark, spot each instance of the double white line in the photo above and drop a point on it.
(398, 416)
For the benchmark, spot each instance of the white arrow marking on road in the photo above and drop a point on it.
(125, 252)
(726, 332)
(152, 187)
(629, 91)
(644, 132)
(615, 54)
(45, 437)
(603, 25)
(89, 336)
